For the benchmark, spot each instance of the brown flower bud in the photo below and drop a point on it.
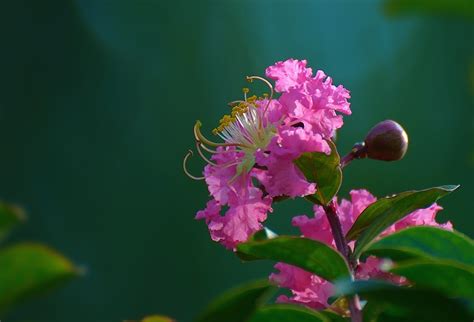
(386, 141)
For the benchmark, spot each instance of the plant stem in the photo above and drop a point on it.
(343, 248)
(359, 151)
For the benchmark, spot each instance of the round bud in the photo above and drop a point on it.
(386, 141)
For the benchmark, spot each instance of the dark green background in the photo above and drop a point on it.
(97, 104)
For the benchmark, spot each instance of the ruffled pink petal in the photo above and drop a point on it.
(288, 74)
(241, 220)
(316, 228)
(326, 95)
(307, 289)
(315, 104)
(360, 200)
(283, 177)
(274, 111)
(423, 217)
(217, 178)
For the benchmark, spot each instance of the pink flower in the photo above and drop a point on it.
(313, 291)
(307, 288)
(262, 137)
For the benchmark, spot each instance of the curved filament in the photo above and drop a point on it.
(185, 169)
(198, 147)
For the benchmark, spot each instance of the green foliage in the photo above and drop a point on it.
(454, 280)
(153, 318)
(156, 318)
(463, 8)
(311, 255)
(324, 170)
(425, 243)
(287, 313)
(27, 269)
(386, 211)
(10, 216)
(239, 304)
(389, 302)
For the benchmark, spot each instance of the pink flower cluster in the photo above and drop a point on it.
(313, 291)
(262, 138)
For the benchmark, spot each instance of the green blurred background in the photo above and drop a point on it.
(97, 104)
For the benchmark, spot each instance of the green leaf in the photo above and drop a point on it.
(425, 242)
(260, 235)
(157, 318)
(324, 170)
(239, 304)
(334, 317)
(287, 313)
(27, 269)
(310, 255)
(404, 303)
(447, 278)
(10, 216)
(387, 211)
(445, 7)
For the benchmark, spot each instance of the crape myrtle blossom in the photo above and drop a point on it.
(262, 136)
(313, 291)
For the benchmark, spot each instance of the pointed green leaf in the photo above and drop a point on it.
(387, 211)
(425, 242)
(405, 303)
(27, 269)
(452, 279)
(239, 304)
(324, 170)
(10, 216)
(287, 313)
(310, 255)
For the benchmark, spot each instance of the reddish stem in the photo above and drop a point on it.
(343, 248)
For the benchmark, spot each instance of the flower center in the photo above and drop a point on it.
(246, 128)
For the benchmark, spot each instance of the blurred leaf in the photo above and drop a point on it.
(334, 317)
(447, 278)
(157, 318)
(311, 255)
(324, 170)
(387, 211)
(27, 269)
(425, 242)
(10, 216)
(338, 306)
(403, 303)
(287, 313)
(446, 7)
(237, 305)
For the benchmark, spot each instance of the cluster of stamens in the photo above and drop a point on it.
(245, 128)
